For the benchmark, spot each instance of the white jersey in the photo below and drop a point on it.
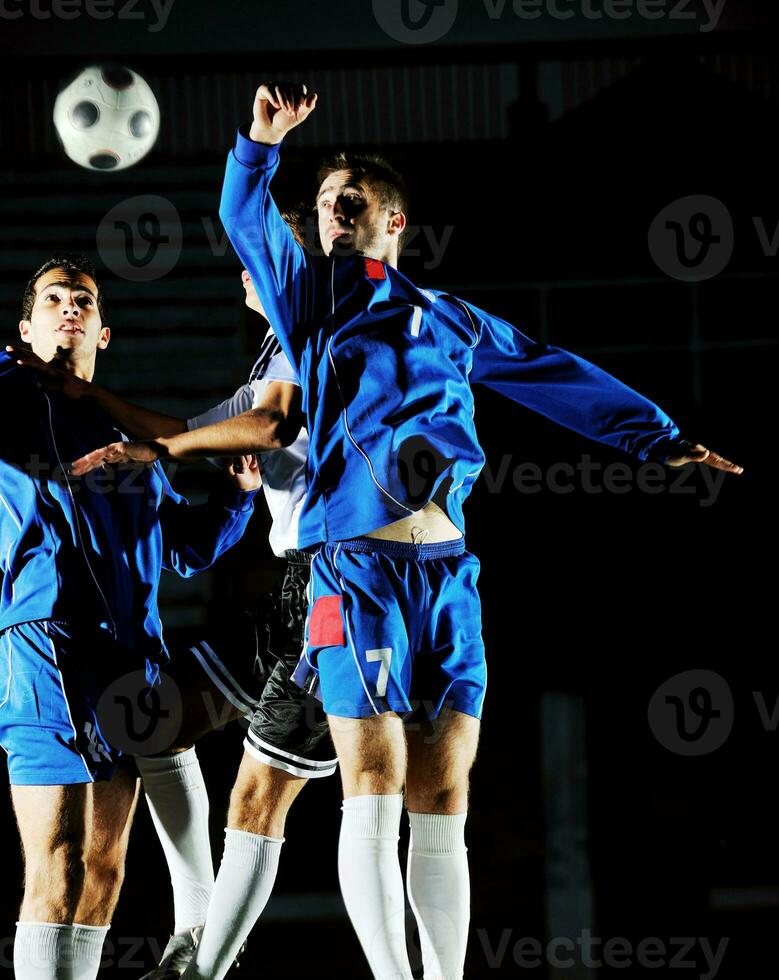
(283, 470)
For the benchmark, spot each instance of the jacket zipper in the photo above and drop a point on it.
(78, 522)
(343, 402)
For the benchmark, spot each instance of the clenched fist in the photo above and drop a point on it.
(244, 473)
(279, 107)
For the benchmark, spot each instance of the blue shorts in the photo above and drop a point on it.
(50, 683)
(394, 627)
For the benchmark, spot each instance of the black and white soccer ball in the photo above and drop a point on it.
(107, 118)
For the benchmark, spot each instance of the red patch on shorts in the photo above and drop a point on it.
(375, 269)
(326, 628)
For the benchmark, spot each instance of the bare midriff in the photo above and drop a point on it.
(428, 526)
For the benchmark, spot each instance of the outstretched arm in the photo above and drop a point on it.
(275, 423)
(134, 419)
(577, 394)
(143, 423)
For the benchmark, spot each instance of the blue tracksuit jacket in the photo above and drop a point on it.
(90, 552)
(386, 370)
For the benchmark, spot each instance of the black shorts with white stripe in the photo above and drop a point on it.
(289, 729)
(249, 658)
(227, 655)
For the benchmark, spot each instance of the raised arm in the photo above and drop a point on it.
(281, 270)
(577, 394)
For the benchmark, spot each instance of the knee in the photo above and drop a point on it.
(260, 801)
(446, 798)
(103, 882)
(378, 780)
(374, 773)
(245, 800)
(371, 753)
(56, 879)
(105, 873)
(68, 855)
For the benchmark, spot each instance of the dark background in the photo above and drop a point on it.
(548, 147)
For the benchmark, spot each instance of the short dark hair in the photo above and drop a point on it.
(72, 265)
(375, 171)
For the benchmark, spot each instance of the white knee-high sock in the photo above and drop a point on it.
(87, 950)
(43, 951)
(178, 802)
(243, 886)
(439, 891)
(372, 883)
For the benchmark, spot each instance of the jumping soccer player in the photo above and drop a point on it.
(287, 742)
(394, 631)
(78, 608)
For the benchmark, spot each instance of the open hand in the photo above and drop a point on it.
(278, 108)
(700, 454)
(117, 454)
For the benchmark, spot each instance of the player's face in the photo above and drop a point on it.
(352, 219)
(65, 319)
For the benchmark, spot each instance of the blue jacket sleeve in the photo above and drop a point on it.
(281, 270)
(194, 536)
(17, 390)
(569, 390)
(7, 364)
(7, 369)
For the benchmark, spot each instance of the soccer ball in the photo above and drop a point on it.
(107, 118)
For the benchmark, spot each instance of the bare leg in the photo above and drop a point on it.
(54, 824)
(371, 753)
(74, 840)
(440, 757)
(113, 808)
(261, 798)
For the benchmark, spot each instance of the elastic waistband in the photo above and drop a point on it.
(298, 557)
(72, 626)
(402, 549)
